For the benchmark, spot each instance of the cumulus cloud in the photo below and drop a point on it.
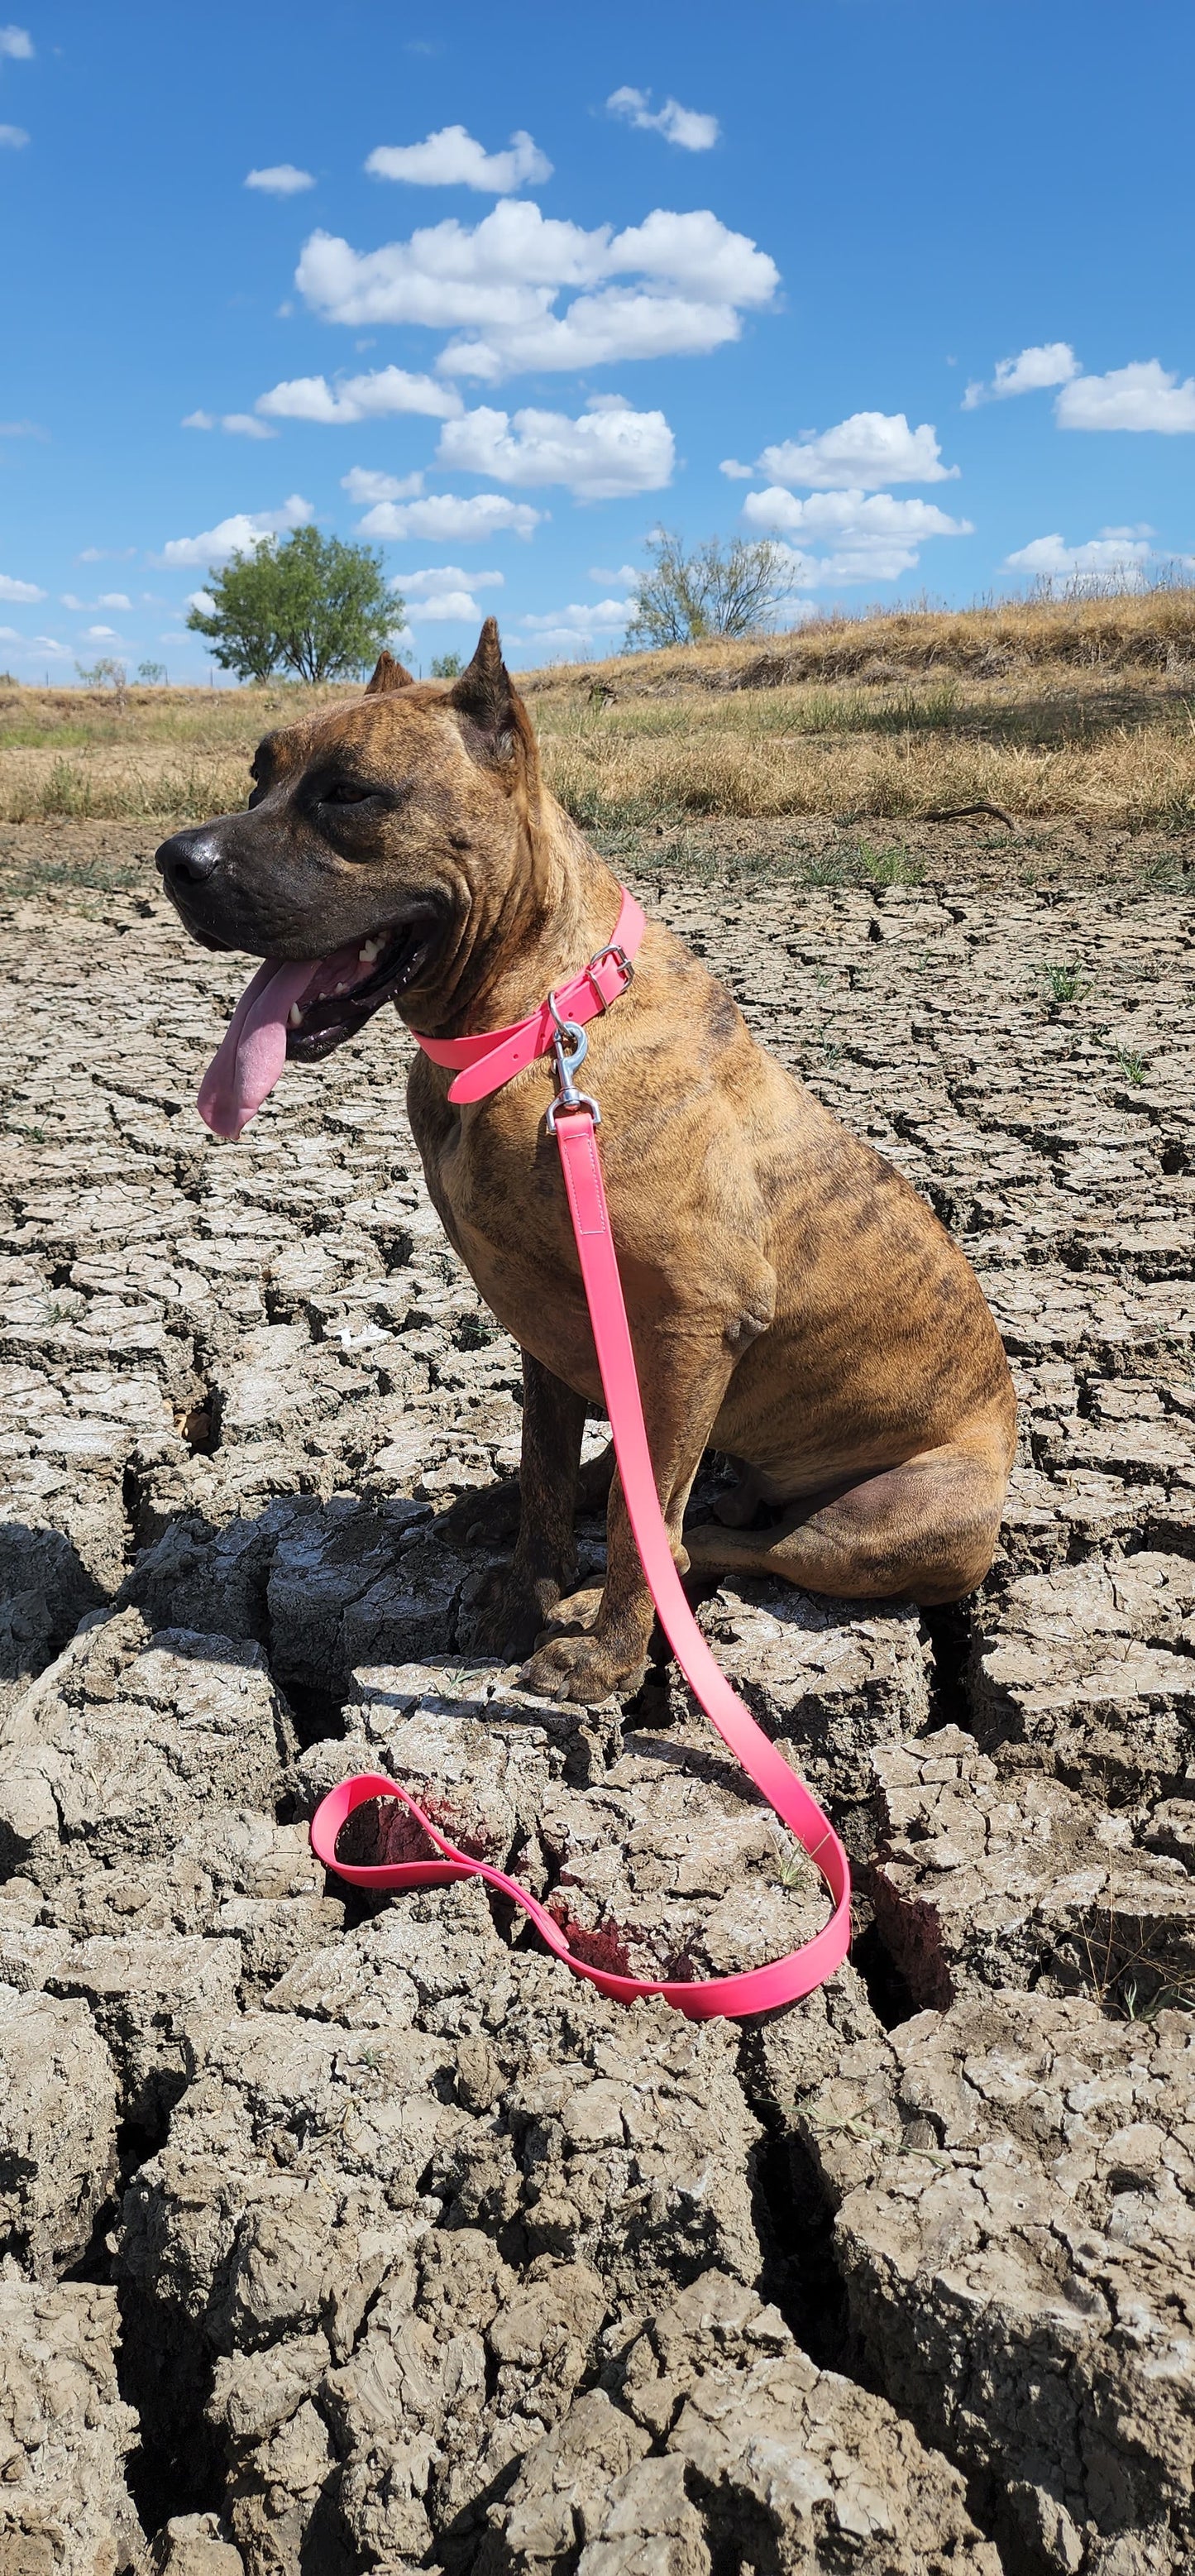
(579, 628)
(19, 592)
(452, 159)
(105, 554)
(446, 603)
(237, 534)
(1139, 396)
(610, 451)
(864, 453)
(446, 517)
(1117, 554)
(737, 473)
(1052, 362)
(501, 280)
(444, 577)
(10, 635)
(683, 125)
(240, 424)
(280, 180)
(16, 44)
(13, 138)
(100, 635)
(872, 537)
(369, 397)
(107, 599)
(362, 485)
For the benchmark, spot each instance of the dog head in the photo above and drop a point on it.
(379, 846)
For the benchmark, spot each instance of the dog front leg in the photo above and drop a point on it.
(681, 1399)
(545, 1558)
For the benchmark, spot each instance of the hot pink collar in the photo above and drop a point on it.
(497, 1055)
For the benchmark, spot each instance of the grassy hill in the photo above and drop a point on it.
(1044, 709)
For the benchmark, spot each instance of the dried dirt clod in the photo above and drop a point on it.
(65, 2435)
(714, 2440)
(1090, 1669)
(829, 1679)
(1015, 2192)
(129, 1739)
(991, 1878)
(58, 2124)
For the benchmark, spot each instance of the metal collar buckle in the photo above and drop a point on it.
(622, 961)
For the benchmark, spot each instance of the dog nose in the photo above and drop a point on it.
(189, 858)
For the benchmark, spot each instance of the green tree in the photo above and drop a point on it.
(311, 605)
(153, 674)
(717, 590)
(447, 666)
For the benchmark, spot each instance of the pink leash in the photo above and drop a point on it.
(486, 1063)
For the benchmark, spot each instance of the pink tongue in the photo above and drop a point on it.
(251, 1055)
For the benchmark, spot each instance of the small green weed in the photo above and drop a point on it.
(1065, 983)
(1131, 1064)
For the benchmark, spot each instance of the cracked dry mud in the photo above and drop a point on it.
(347, 2235)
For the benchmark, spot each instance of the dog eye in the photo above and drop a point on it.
(344, 792)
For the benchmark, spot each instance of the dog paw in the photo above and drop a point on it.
(484, 1519)
(577, 1611)
(510, 1616)
(581, 1668)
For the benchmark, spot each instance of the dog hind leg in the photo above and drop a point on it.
(926, 1530)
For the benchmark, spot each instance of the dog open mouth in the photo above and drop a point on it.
(305, 1010)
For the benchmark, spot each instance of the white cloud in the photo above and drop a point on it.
(19, 592)
(502, 278)
(368, 397)
(446, 518)
(12, 138)
(1052, 362)
(236, 535)
(1139, 396)
(610, 451)
(872, 536)
(625, 576)
(53, 650)
(738, 473)
(280, 180)
(595, 615)
(241, 424)
(362, 485)
(686, 126)
(100, 635)
(452, 159)
(446, 603)
(864, 453)
(17, 44)
(442, 577)
(10, 635)
(1116, 554)
(107, 599)
(579, 628)
(200, 599)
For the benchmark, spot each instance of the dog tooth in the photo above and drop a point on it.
(294, 1017)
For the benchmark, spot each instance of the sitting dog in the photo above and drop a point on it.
(793, 1303)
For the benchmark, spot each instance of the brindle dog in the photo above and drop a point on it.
(793, 1302)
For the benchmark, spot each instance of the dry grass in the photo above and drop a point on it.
(1082, 710)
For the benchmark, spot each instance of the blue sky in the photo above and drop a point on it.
(637, 245)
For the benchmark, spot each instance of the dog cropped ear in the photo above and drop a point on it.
(496, 722)
(388, 675)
